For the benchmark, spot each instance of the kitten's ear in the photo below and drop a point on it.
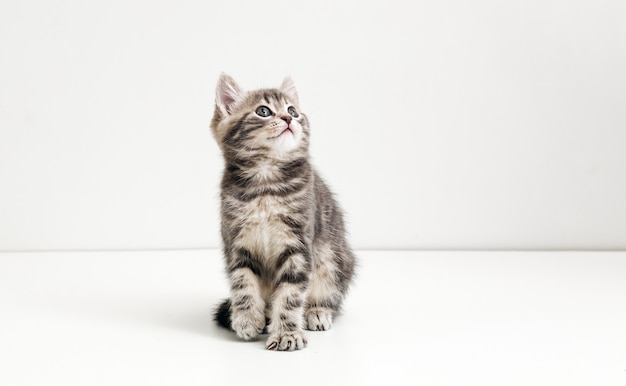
(226, 94)
(289, 88)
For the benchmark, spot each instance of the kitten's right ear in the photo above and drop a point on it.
(226, 94)
(289, 88)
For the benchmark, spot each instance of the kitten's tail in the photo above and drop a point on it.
(222, 314)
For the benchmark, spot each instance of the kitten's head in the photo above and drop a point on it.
(266, 121)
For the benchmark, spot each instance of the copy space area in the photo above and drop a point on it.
(428, 318)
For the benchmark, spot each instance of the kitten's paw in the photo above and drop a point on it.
(318, 319)
(248, 324)
(286, 341)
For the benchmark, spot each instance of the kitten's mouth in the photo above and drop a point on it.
(287, 130)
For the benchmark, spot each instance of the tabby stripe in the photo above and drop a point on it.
(293, 277)
(326, 303)
(295, 168)
(271, 94)
(249, 195)
(242, 302)
(237, 127)
(297, 227)
(292, 304)
(243, 259)
(287, 253)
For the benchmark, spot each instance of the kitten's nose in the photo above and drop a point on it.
(286, 118)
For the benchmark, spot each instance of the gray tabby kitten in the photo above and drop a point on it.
(285, 245)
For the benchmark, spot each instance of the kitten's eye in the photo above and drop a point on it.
(263, 111)
(292, 110)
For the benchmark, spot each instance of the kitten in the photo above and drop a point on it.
(284, 241)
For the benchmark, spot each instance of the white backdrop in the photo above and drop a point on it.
(439, 124)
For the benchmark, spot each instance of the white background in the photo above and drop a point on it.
(446, 124)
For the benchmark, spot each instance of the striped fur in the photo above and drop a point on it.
(285, 247)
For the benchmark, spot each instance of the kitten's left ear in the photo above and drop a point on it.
(226, 94)
(289, 88)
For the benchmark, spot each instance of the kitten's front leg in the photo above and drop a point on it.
(248, 306)
(286, 324)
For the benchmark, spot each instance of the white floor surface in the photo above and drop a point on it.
(412, 318)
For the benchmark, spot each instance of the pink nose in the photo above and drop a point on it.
(286, 118)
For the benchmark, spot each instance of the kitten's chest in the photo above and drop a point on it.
(263, 230)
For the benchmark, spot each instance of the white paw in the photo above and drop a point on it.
(318, 319)
(248, 324)
(286, 341)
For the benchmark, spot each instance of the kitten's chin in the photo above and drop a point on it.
(286, 141)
